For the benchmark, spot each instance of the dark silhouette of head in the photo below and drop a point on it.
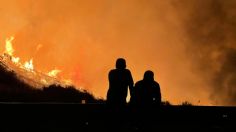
(120, 63)
(149, 76)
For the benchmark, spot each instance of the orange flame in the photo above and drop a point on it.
(28, 66)
(54, 73)
(8, 47)
(16, 60)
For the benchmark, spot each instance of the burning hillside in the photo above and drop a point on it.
(20, 82)
(26, 72)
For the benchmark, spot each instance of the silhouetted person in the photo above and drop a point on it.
(147, 91)
(119, 81)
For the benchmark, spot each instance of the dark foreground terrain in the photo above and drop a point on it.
(99, 117)
(39, 113)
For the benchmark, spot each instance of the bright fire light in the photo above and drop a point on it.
(28, 67)
(9, 49)
(15, 60)
(54, 73)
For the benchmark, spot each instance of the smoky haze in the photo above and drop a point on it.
(189, 44)
(210, 26)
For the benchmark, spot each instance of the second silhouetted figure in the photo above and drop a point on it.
(119, 81)
(147, 91)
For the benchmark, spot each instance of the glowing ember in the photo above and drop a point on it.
(54, 73)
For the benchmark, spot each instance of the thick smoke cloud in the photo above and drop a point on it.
(210, 26)
(189, 44)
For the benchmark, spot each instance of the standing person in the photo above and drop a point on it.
(119, 81)
(147, 91)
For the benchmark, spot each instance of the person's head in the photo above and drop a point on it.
(148, 75)
(120, 63)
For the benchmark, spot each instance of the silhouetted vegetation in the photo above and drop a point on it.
(166, 103)
(55, 93)
(186, 103)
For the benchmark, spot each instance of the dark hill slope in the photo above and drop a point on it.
(12, 89)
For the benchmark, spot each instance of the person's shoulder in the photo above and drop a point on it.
(112, 71)
(139, 82)
(127, 70)
(156, 83)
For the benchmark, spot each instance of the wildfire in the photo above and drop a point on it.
(39, 78)
(67, 82)
(29, 65)
(16, 60)
(54, 73)
(9, 49)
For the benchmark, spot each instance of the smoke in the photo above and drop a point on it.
(210, 26)
(189, 44)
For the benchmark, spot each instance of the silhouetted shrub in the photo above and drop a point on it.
(186, 103)
(166, 103)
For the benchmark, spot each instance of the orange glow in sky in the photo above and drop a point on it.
(83, 39)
